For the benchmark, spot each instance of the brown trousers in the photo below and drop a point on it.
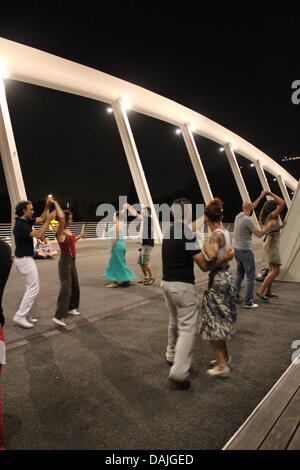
(69, 293)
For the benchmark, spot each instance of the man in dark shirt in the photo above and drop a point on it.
(180, 250)
(147, 243)
(24, 262)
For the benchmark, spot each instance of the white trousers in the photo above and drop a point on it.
(26, 267)
(184, 317)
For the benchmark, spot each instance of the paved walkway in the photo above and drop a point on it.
(100, 384)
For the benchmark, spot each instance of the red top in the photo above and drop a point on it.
(67, 247)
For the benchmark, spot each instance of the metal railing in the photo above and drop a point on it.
(93, 229)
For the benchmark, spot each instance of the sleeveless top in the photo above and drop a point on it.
(67, 247)
(222, 251)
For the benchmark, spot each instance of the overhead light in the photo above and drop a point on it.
(178, 131)
(109, 110)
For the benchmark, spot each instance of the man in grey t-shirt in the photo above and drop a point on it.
(244, 227)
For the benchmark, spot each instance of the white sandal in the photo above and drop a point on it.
(112, 285)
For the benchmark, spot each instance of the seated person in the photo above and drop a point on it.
(53, 225)
(44, 249)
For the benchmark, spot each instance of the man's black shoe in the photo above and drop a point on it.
(178, 384)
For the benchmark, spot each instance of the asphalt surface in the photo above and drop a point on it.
(101, 383)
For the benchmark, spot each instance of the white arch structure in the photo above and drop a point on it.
(33, 66)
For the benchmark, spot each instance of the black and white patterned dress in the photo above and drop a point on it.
(219, 302)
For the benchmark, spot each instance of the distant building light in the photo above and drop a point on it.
(274, 179)
(109, 110)
(178, 131)
(288, 159)
(221, 149)
(252, 165)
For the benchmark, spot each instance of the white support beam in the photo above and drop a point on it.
(284, 191)
(10, 160)
(262, 177)
(135, 164)
(197, 163)
(290, 243)
(238, 176)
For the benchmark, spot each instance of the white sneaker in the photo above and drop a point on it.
(58, 322)
(73, 312)
(214, 362)
(253, 305)
(22, 322)
(219, 373)
(31, 320)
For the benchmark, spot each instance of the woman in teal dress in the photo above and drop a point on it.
(117, 271)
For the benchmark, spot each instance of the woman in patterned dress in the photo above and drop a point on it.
(218, 305)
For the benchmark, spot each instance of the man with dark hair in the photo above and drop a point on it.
(24, 233)
(147, 243)
(180, 250)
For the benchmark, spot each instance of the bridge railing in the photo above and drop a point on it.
(93, 229)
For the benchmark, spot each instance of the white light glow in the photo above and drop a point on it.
(125, 102)
(109, 110)
(178, 131)
(3, 70)
(221, 149)
(252, 165)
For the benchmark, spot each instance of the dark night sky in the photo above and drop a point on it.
(237, 71)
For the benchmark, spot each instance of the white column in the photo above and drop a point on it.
(10, 160)
(135, 164)
(262, 177)
(197, 163)
(238, 176)
(284, 191)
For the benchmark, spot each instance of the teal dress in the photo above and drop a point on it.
(117, 269)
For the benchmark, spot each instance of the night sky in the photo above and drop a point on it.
(237, 71)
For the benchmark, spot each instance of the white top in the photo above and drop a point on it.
(227, 246)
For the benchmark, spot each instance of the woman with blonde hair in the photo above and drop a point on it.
(270, 212)
(219, 301)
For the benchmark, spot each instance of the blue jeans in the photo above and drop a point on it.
(245, 264)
